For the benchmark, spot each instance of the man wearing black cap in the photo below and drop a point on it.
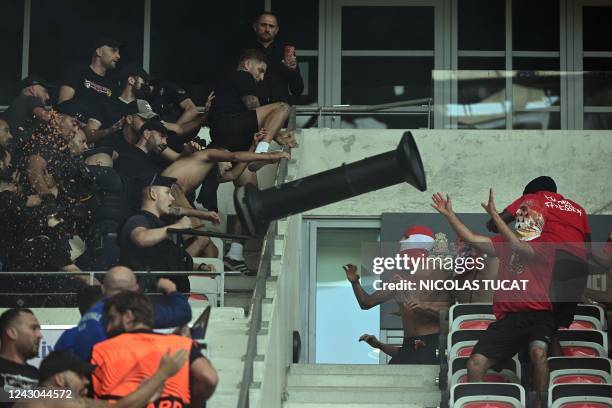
(92, 85)
(138, 161)
(144, 240)
(29, 105)
(133, 85)
(566, 228)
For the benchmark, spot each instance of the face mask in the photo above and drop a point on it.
(415, 243)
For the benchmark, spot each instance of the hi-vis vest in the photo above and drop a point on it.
(125, 361)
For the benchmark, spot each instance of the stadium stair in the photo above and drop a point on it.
(227, 338)
(361, 386)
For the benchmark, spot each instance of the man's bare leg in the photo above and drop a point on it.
(272, 117)
(477, 367)
(538, 355)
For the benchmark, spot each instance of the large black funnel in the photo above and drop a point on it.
(256, 208)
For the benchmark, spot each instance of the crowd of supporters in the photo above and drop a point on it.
(94, 171)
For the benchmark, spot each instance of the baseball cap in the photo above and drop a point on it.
(154, 124)
(58, 361)
(35, 80)
(141, 108)
(162, 181)
(108, 41)
(73, 108)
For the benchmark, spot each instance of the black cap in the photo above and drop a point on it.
(110, 42)
(104, 149)
(542, 183)
(73, 108)
(154, 124)
(162, 181)
(35, 80)
(59, 361)
(133, 69)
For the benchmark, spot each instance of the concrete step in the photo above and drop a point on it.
(240, 300)
(239, 283)
(361, 380)
(364, 395)
(365, 369)
(225, 313)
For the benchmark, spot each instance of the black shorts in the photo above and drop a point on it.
(418, 350)
(506, 337)
(235, 131)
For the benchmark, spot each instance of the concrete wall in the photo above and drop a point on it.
(465, 163)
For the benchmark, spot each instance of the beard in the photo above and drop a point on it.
(115, 331)
(144, 92)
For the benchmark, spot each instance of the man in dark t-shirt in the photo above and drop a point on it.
(20, 339)
(144, 240)
(236, 113)
(93, 85)
(29, 104)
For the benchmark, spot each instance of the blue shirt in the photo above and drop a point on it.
(169, 311)
(66, 340)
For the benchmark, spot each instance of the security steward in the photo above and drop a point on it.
(132, 354)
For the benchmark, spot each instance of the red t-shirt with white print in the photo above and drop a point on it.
(565, 221)
(536, 271)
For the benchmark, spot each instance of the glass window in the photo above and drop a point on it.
(596, 28)
(597, 81)
(535, 25)
(339, 322)
(481, 93)
(598, 121)
(63, 33)
(299, 22)
(481, 25)
(195, 43)
(387, 28)
(536, 83)
(11, 41)
(309, 69)
(374, 80)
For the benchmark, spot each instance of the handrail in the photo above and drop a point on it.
(263, 272)
(303, 109)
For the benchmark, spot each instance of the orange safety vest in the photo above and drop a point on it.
(123, 362)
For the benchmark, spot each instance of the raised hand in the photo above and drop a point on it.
(370, 339)
(441, 204)
(490, 206)
(351, 272)
(209, 100)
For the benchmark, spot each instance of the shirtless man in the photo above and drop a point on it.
(419, 311)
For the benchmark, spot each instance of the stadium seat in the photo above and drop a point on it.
(472, 322)
(588, 317)
(594, 370)
(584, 343)
(509, 373)
(580, 396)
(462, 309)
(461, 342)
(487, 395)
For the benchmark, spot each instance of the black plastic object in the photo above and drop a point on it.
(297, 346)
(257, 208)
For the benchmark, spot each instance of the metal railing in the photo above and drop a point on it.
(263, 272)
(422, 106)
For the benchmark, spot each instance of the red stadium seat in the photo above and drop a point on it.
(580, 379)
(477, 324)
(488, 404)
(487, 395)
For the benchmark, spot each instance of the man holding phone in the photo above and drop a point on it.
(283, 79)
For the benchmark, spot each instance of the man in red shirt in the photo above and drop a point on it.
(523, 310)
(567, 228)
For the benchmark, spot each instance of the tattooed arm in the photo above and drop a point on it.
(251, 102)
